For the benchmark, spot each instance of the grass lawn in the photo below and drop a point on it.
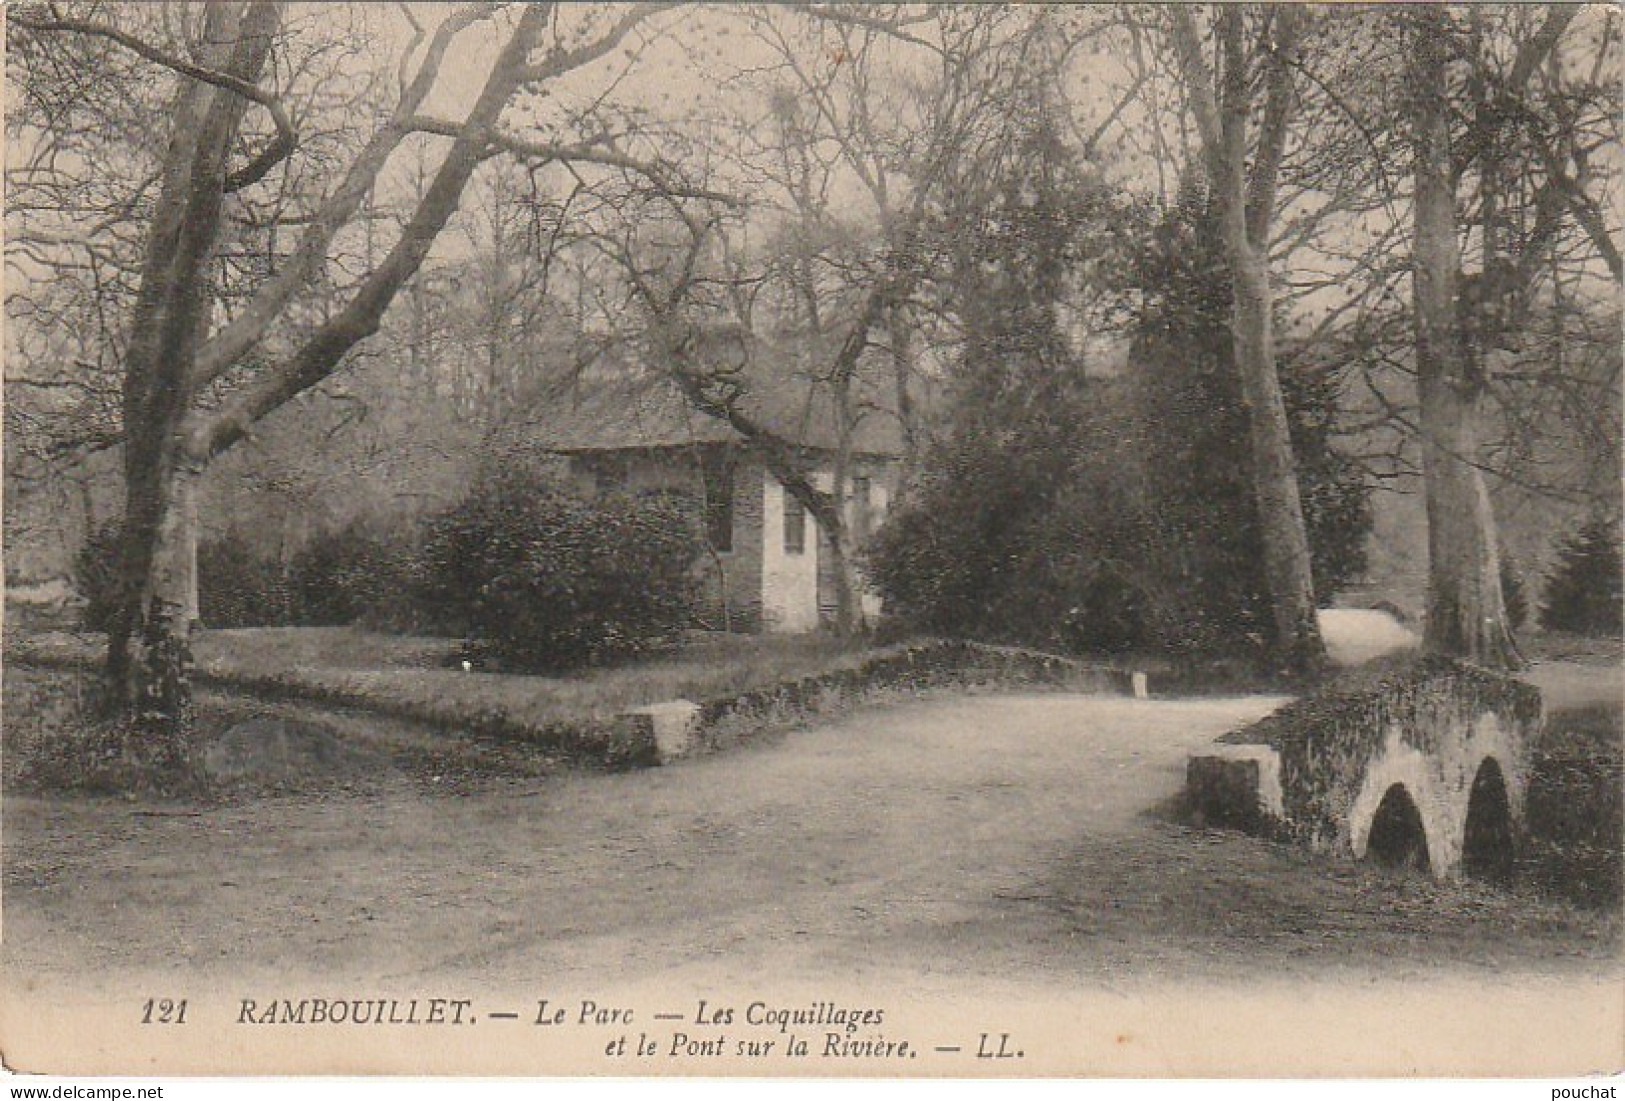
(417, 672)
(400, 701)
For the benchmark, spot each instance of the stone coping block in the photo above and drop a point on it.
(669, 727)
(1235, 785)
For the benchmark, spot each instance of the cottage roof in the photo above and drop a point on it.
(628, 408)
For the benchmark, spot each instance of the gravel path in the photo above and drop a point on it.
(984, 838)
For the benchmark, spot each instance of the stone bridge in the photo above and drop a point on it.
(1418, 761)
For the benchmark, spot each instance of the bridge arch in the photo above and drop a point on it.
(1397, 837)
(1398, 792)
(1487, 834)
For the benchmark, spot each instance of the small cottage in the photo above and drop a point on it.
(767, 563)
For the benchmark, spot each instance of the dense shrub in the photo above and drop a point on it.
(1584, 593)
(362, 573)
(1576, 806)
(1022, 526)
(1014, 535)
(1194, 442)
(541, 579)
(1099, 513)
(239, 584)
(95, 574)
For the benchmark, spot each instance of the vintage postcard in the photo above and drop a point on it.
(800, 541)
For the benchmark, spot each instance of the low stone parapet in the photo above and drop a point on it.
(667, 731)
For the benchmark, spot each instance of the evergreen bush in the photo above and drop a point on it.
(95, 574)
(1096, 512)
(1584, 593)
(539, 579)
(239, 585)
(362, 573)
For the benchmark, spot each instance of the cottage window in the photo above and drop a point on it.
(795, 525)
(718, 475)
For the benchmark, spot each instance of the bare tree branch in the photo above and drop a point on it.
(558, 62)
(323, 352)
(287, 138)
(660, 173)
(229, 345)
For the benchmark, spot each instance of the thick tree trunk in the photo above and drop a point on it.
(149, 649)
(1246, 208)
(848, 606)
(149, 663)
(1466, 611)
(849, 619)
(187, 502)
(161, 645)
(1298, 643)
(900, 336)
(1466, 614)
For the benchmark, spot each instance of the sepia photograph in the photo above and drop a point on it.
(824, 540)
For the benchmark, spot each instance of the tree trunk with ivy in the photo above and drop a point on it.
(170, 435)
(1466, 612)
(149, 661)
(1245, 203)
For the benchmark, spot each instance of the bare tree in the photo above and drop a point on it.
(1454, 328)
(1245, 196)
(834, 278)
(1530, 107)
(1534, 108)
(192, 389)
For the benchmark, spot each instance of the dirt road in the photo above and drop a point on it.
(986, 838)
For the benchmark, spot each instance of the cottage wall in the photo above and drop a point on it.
(742, 568)
(881, 474)
(755, 584)
(789, 578)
